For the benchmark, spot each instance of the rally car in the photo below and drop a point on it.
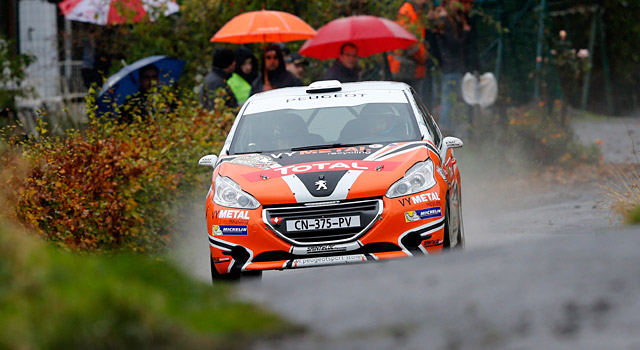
(331, 174)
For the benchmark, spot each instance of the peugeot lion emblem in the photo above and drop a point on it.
(322, 185)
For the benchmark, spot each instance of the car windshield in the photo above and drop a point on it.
(318, 124)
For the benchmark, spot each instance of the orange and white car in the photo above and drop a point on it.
(331, 174)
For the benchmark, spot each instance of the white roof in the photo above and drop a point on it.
(346, 87)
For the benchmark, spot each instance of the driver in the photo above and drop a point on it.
(379, 120)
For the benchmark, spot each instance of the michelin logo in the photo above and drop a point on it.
(422, 214)
(230, 230)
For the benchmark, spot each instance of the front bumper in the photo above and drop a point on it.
(245, 240)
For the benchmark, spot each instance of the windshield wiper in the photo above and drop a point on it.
(334, 145)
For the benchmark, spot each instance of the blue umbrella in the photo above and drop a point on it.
(125, 83)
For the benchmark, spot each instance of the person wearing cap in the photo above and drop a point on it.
(345, 68)
(295, 64)
(224, 63)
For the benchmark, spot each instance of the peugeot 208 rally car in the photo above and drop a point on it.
(331, 174)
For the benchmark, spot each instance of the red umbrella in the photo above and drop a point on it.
(370, 34)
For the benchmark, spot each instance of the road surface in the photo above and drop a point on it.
(543, 269)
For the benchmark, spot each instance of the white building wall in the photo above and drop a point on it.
(38, 36)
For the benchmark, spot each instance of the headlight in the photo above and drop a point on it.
(229, 194)
(417, 179)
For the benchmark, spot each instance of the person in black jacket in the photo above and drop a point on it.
(274, 74)
(136, 107)
(224, 63)
(452, 40)
(345, 68)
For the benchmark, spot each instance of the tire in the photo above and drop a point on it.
(447, 227)
(233, 276)
(446, 244)
(252, 275)
(217, 276)
(461, 241)
(460, 234)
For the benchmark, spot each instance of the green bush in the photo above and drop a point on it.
(52, 299)
(118, 186)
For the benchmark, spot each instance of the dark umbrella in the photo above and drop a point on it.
(370, 34)
(125, 83)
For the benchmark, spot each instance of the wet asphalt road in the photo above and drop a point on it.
(542, 269)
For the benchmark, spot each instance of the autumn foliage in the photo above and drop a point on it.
(118, 186)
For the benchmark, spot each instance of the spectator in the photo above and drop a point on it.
(452, 36)
(96, 61)
(246, 72)
(295, 64)
(224, 63)
(274, 74)
(137, 105)
(471, 49)
(410, 65)
(345, 68)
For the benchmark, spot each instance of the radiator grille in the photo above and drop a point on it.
(367, 211)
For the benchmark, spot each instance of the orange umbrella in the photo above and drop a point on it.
(264, 26)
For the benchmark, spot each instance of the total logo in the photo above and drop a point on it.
(361, 165)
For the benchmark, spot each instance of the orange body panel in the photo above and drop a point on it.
(400, 218)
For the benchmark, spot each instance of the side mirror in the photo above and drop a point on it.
(208, 160)
(449, 142)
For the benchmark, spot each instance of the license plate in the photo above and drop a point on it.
(323, 223)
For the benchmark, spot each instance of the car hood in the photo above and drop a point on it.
(324, 175)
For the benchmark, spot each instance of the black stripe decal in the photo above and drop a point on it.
(220, 243)
(411, 239)
(429, 228)
(401, 149)
(434, 151)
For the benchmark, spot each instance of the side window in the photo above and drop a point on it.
(428, 120)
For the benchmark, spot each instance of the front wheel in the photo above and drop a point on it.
(453, 227)
(217, 276)
(233, 276)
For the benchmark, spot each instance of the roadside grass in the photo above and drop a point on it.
(623, 193)
(55, 299)
(580, 114)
